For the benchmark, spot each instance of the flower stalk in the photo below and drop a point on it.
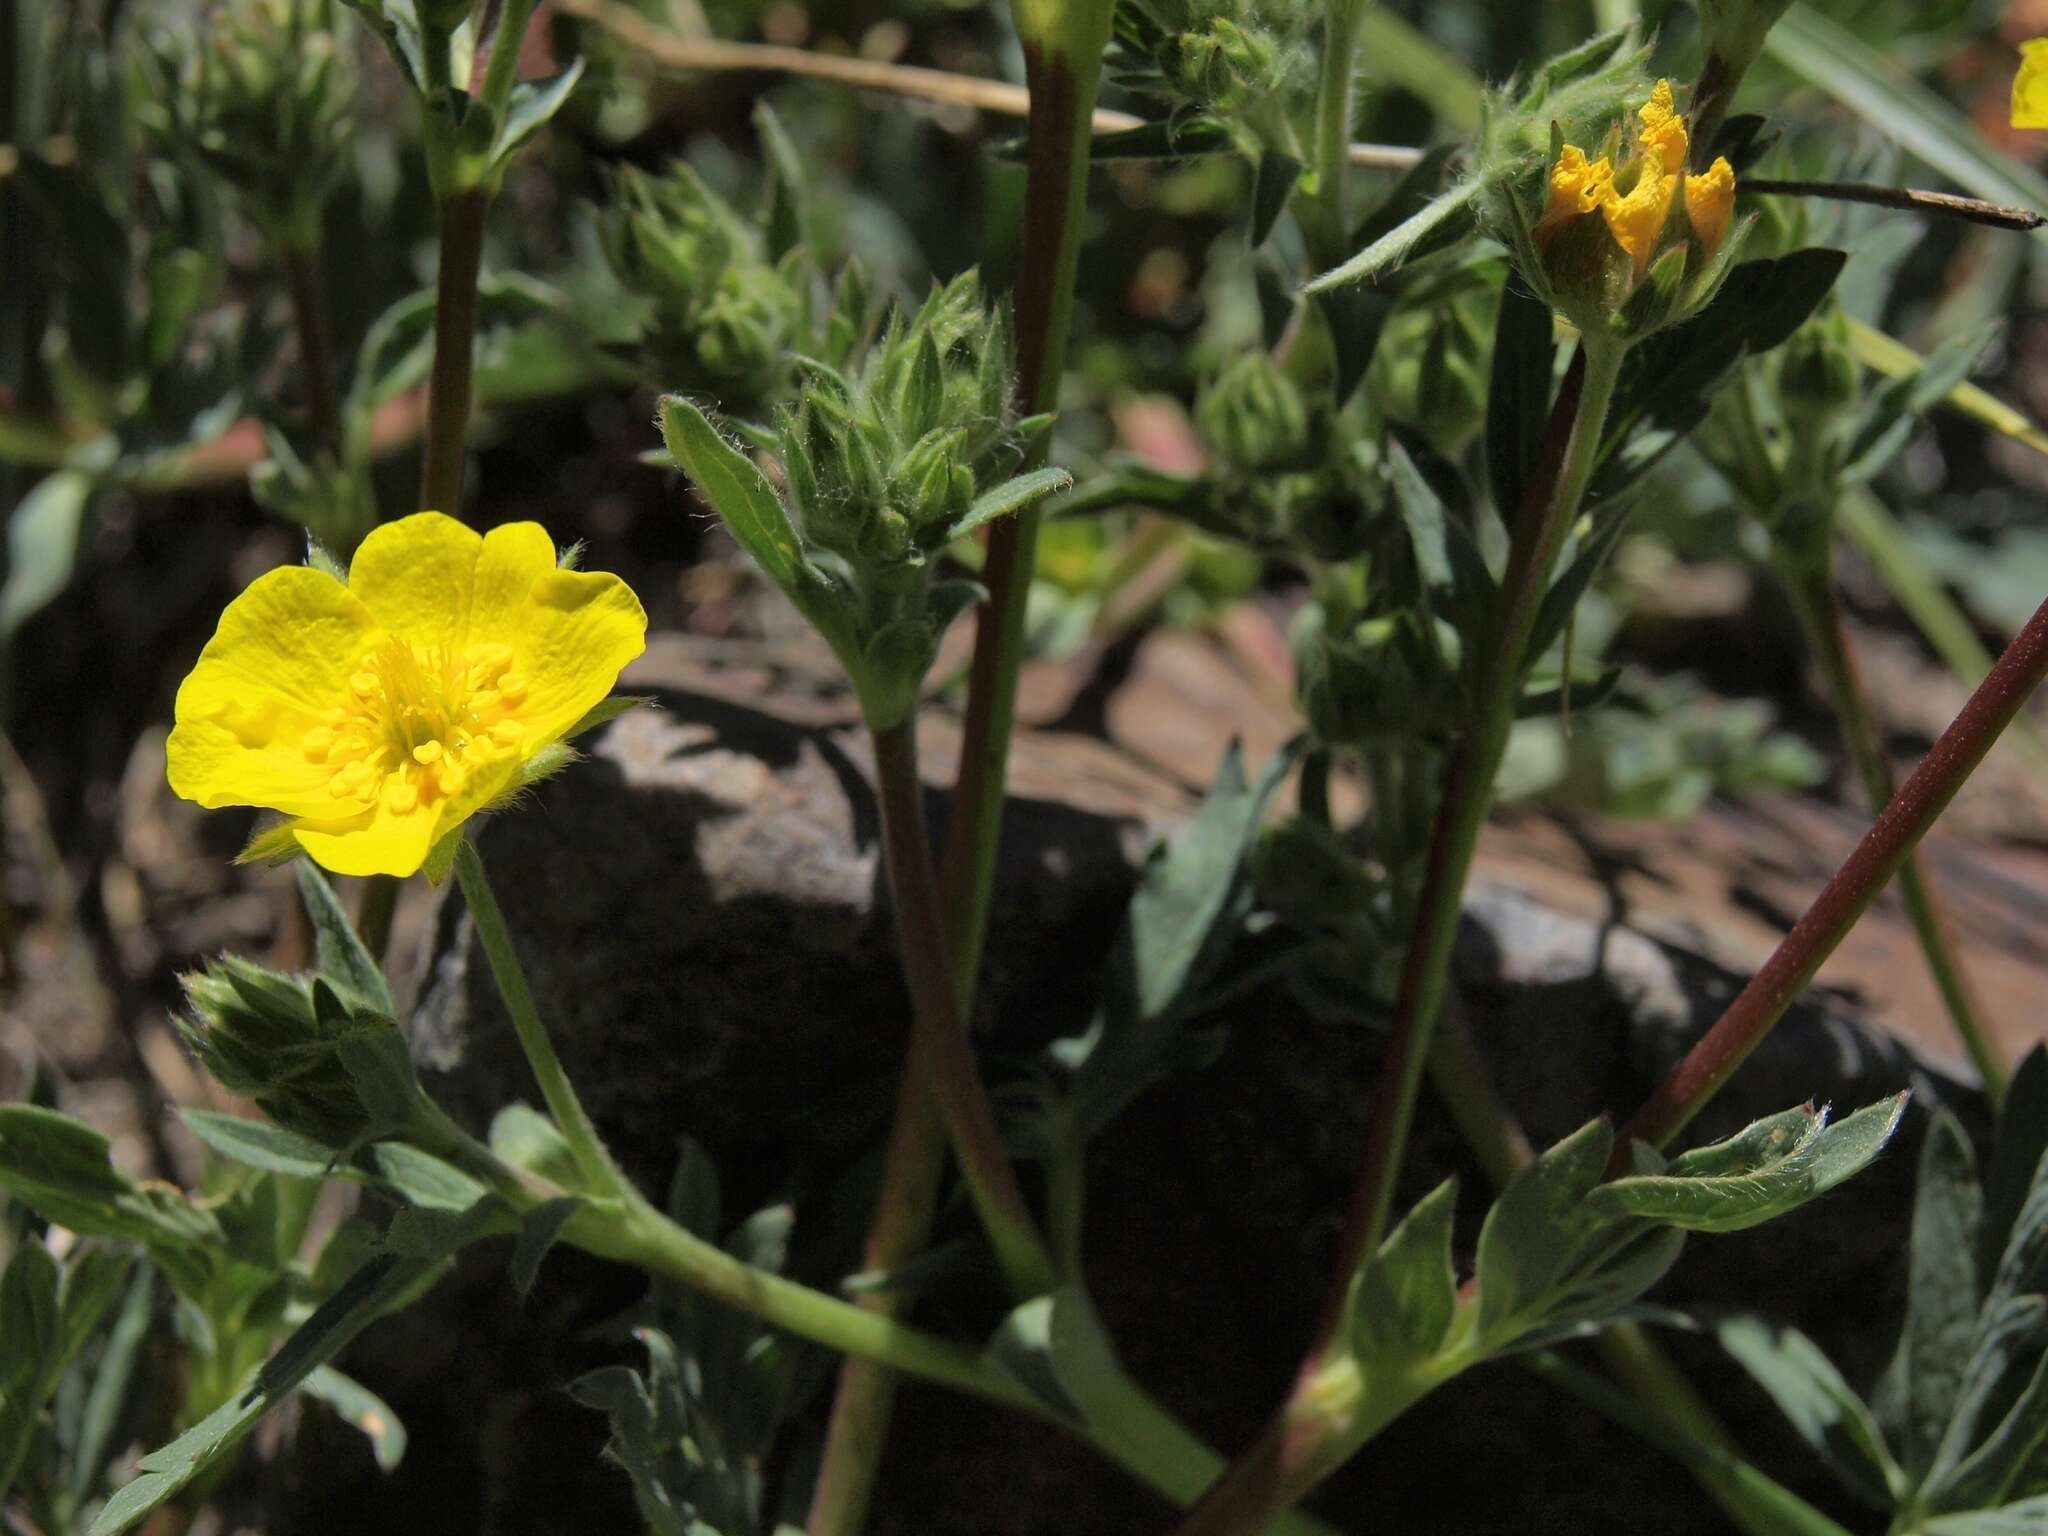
(1896, 832)
(449, 385)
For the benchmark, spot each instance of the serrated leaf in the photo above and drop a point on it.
(1731, 1202)
(1944, 1289)
(1408, 1291)
(1537, 1228)
(736, 489)
(538, 1229)
(356, 1404)
(1818, 1403)
(338, 952)
(259, 1144)
(1010, 496)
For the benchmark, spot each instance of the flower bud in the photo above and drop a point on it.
(278, 1040)
(1253, 416)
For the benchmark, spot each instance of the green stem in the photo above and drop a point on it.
(1142, 1439)
(941, 1043)
(1333, 130)
(600, 1174)
(1308, 1438)
(1809, 583)
(500, 58)
(448, 386)
(1765, 1507)
(1462, 1080)
(1063, 84)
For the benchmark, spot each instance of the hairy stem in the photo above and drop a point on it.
(1062, 93)
(1810, 585)
(941, 1043)
(448, 387)
(600, 1173)
(1333, 130)
(1304, 1441)
(1897, 831)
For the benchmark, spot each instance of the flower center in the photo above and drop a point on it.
(415, 725)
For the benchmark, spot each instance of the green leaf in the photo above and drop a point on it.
(1890, 416)
(259, 1144)
(338, 952)
(2017, 1154)
(1818, 1403)
(693, 1197)
(532, 103)
(1422, 510)
(42, 546)
(1451, 210)
(356, 1404)
(524, 1137)
(1055, 1347)
(1408, 1291)
(1537, 1229)
(1010, 496)
(2008, 1349)
(2012, 1451)
(607, 710)
(273, 845)
(736, 489)
(424, 1180)
(1518, 397)
(1944, 1288)
(106, 1398)
(380, 1066)
(1277, 177)
(538, 1229)
(1730, 1202)
(60, 1168)
(29, 1322)
(2029, 1517)
(168, 1469)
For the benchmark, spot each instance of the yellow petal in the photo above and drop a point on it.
(574, 633)
(1710, 204)
(480, 786)
(1663, 130)
(279, 661)
(416, 576)
(513, 559)
(1576, 186)
(379, 842)
(2030, 85)
(1637, 220)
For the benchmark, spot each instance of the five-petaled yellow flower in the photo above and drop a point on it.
(381, 714)
(1635, 199)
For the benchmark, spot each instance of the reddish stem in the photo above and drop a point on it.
(1899, 827)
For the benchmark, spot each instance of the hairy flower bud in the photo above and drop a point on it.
(1253, 416)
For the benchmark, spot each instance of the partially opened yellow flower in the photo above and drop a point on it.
(381, 714)
(2030, 85)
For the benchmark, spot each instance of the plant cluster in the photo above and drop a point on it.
(1437, 430)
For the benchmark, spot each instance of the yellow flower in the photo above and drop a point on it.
(2030, 85)
(1710, 203)
(382, 714)
(1576, 186)
(1662, 129)
(1637, 220)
